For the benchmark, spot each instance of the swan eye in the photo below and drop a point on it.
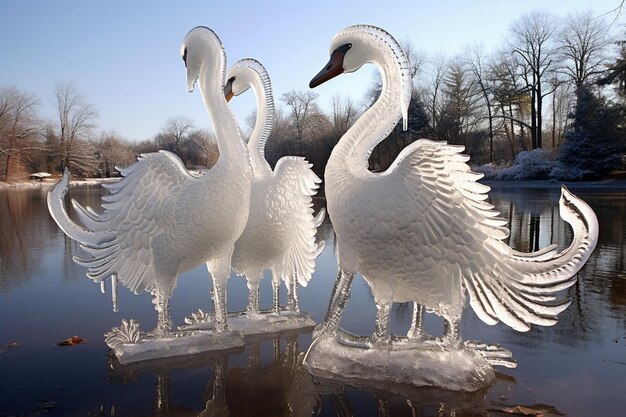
(185, 57)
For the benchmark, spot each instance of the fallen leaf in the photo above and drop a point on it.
(12, 345)
(74, 340)
(45, 405)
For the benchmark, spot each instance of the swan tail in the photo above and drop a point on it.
(58, 212)
(549, 266)
(522, 289)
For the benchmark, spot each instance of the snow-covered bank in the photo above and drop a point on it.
(605, 184)
(49, 182)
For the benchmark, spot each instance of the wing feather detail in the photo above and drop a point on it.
(130, 218)
(300, 183)
(505, 285)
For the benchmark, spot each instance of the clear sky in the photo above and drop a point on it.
(123, 56)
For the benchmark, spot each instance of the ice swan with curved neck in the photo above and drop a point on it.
(421, 231)
(159, 220)
(280, 233)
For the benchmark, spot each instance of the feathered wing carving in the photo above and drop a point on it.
(136, 215)
(503, 284)
(299, 183)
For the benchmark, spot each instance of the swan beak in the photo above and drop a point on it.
(228, 90)
(333, 68)
(191, 83)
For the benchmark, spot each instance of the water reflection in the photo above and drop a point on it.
(243, 383)
(240, 383)
(45, 297)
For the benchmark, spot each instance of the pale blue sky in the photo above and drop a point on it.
(124, 55)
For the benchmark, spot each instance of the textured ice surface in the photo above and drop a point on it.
(280, 232)
(265, 322)
(177, 344)
(160, 220)
(453, 369)
(422, 232)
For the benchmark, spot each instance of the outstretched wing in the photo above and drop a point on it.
(138, 211)
(299, 183)
(459, 221)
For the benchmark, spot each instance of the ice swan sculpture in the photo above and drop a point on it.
(280, 232)
(421, 232)
(159, 220)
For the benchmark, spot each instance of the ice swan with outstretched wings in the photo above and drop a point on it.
(280, 233)
(159, 220)
(421, 231)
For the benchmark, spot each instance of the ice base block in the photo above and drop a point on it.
(265, 322)
(456, 369)
(178, 344)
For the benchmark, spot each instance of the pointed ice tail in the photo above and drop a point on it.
(549, 267)
(62, 218)
(521, 290)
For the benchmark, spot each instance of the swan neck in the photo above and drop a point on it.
(262, 126)
(356, 145)
(227, 134)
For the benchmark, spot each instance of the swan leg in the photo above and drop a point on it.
(161, 301)
(276, 292)
(292, 294)
(219, 300)
(339, 299)
(382, 334)
(253, 297)
(416, 331)
(451, 330)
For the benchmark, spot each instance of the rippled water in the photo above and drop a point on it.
(576, 368)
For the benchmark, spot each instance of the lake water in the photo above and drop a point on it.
(575, 368)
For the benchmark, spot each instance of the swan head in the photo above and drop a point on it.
(243, 75)
(200, 46)
(357, 45)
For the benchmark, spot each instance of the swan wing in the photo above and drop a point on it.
(139, 214)
(499, 286)
(299, 183)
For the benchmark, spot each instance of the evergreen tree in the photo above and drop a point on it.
(594, 143)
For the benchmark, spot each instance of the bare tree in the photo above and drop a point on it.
(208, 151)
(432, 91)
(76, 118)
(174, 132)
(532, 43)
(475, 61)
(302, 106)
(18, 128)
(344, 114)
(583, 42)
(113, 151)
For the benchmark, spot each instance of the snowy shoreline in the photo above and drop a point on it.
(606, 184)
(49, 182)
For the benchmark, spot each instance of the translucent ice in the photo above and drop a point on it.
(159, 220)
(421, 231)
(280, 232)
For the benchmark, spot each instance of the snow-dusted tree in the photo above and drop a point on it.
(595, 143)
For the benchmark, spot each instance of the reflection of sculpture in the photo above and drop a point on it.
(274, 385)
(280, 233)
(159, 220)
(421, 230)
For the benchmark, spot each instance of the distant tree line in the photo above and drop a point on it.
(549, 103)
